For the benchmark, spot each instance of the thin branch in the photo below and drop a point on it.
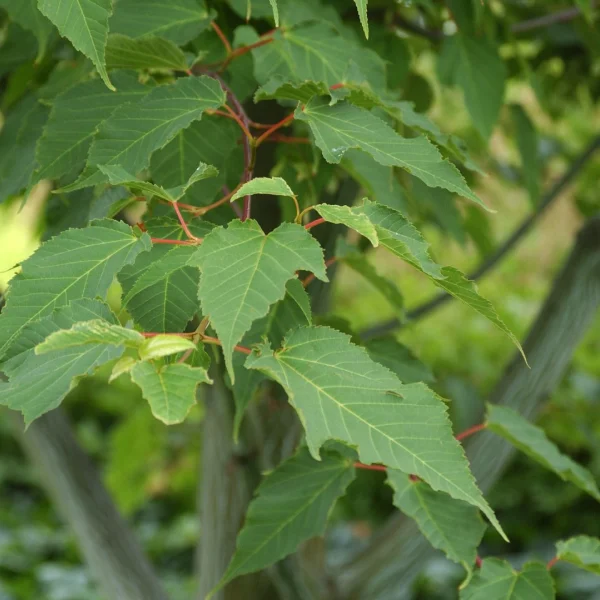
(206, 339)
(283, 123)
(183, 224)
(241, 123)
(223, 38)
(245, 49)
(311, 277)
(360, 465)
(468, 432)
(493, 259)
(552, 562)
(314, 223)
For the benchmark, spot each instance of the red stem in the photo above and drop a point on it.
(471, 431)
(274, 128)
(244, 50)
(360, 465)
(314, 223)
(174, 242)
(285, 139)
(223, 39)
(309, 279)
(552, 562)
(241, 123)
(478, 561)
(212, 340)
(182, 222)
(337, 86)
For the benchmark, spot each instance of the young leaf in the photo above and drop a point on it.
(451, 526)
(38, 383)
(176, 20)
(272, 186)
(133, 132)
(78, 263)
(474, 65)
(244, 272)
(361, 6)
(497, 580)
(118, 176)
(27, 15)
(292, 504)
(582, 551)
(123, 52)
(165, 296)
(90, 333)
(85, 24)
(532, 440)
(164, 345)
(350, 217)
(74, 119)
(399, 236)
(340, 393)
(399, 360)
(343, 126)
(169, 389)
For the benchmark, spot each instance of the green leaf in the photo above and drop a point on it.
(497, 580)
(527, 143)
(275, 11)
(123, 52)
(340, 393)
(399, 359)
(133, 132)
(75, 116)
(582, 551)
(169, 389)
(451, 526)
(473, 63)
(399, 236)
(164, 345)
(272, 186)
(123, 365)
(176, 20)
(343, 126)
(361, 6)
(85, 24)
(27, 15)
(165, 296)
(350, 217)
(38, 383)
(78, 263)
(300, 493)
(532, 440)
(287, 314)
(244, 272)
(118, 176)
(90, 333)
(587, 8)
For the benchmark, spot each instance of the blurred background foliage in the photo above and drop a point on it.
(153, 470)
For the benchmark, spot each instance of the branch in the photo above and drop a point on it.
(493, 259)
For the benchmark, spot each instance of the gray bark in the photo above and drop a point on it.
(397, 554)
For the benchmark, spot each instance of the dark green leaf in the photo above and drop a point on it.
(123, 52)
(399, 359)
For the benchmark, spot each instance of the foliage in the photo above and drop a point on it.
(156, 116)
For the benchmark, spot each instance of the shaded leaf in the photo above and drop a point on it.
(27, 15)
(340, 393)
(244, 272)
(399, 359)
(78, 263)
(292, 504)
(123, 52)
(169, 389)
(450, 525)
(582, 551)
(85, 24)
(532, 440)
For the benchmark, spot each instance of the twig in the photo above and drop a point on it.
(493, 259)
(283, 123)
(223, 39)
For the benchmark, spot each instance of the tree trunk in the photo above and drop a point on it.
(388, 566)
(111, 551)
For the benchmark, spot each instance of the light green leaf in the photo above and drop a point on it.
(75, 116)
(350, 217)
(85, 24)
(340, 393)
(164, 345)
(451, 526)
(473, 63)
(587, 8)
(497, 580)
(244, 272)
(527, 142)
(275, 11)
(399, 236)
(123, 365)
(272, 186)
(123, 52)
(361, 6)
(38, 383)
(27, 15)
(176, 20)
(532, 440)
(169, 389)
(78, 263)
(343, 126)
(118, 176)
(90, 333)
(133, 132)
(399, 359)
(582, 551)
(300, 493)
(165, 296)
